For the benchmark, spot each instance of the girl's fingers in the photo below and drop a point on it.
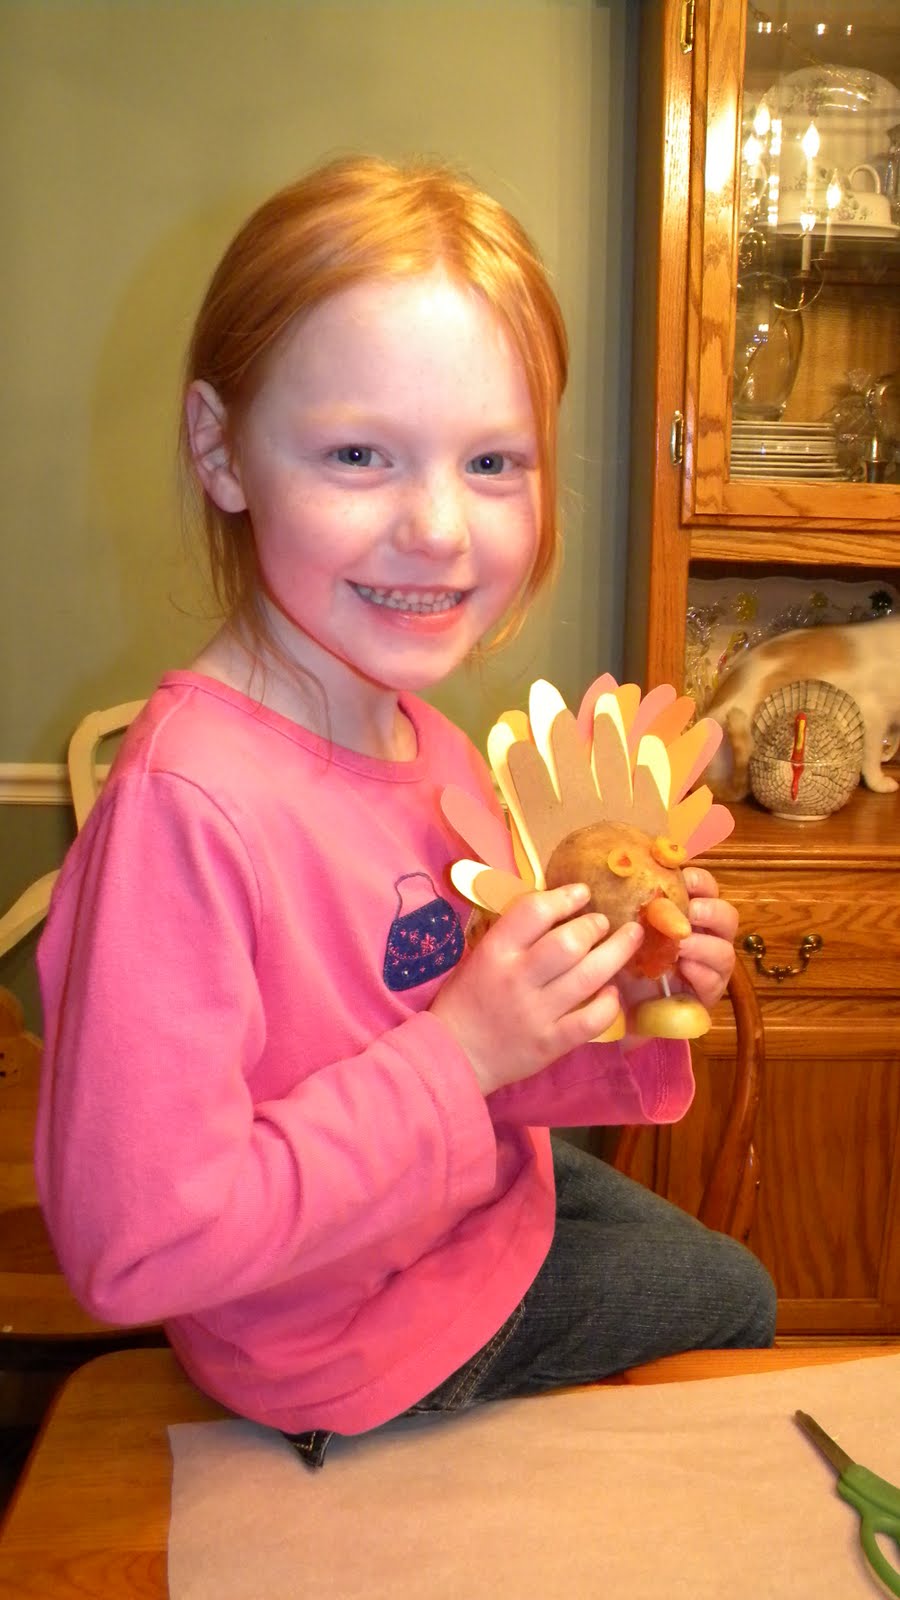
(706, 950)
(533, 915)
(707, 965)
(588, 1021)
(716, 917)
(698, 881)
(707, 985)
(580, 985)
(564, 947)
(547, 931)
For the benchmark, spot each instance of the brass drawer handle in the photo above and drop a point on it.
(755, 945)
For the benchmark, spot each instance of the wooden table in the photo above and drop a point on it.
(90, 1519)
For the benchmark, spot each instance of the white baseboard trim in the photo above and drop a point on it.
(34, 783)
(37, 783)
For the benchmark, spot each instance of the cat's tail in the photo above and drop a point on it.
(730, 780)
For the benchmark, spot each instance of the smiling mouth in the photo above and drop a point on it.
(423, 602)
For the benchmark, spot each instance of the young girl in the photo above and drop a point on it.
(285, 1111)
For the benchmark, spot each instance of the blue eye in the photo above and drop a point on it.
(355, 455)
(488, 466)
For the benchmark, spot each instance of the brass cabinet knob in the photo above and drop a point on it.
(755, 945)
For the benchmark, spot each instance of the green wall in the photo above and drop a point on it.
(136, 135)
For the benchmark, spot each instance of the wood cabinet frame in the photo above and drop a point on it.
(828, 1222)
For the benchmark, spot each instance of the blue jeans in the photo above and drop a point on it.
(628, 1277)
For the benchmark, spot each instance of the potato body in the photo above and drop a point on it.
(584, 856)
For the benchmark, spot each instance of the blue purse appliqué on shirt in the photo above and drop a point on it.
(422, 943)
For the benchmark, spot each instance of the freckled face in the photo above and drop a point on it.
(389, 465)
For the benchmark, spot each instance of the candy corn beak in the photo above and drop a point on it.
(663, 915)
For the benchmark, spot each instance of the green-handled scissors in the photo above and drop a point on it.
(876, 1500)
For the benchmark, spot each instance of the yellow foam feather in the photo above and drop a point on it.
(500, 741)
(608, 706)
(520, 855)
(685, 751)
(628, 696)
(544, 705)
(652, 754)
(518, 724)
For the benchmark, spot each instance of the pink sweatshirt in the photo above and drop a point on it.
(251, 1126)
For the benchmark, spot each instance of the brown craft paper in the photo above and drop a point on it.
(537, 800)
(649, 812)
(612, 768)
(692, 1491)
(571, 758)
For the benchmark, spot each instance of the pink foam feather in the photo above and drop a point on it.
(654, 701)
(605, 684)
(484, 833)
(716, 826)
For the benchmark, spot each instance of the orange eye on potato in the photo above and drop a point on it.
(667, 853)
(621, 862)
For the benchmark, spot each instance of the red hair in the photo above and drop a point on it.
(354, 219)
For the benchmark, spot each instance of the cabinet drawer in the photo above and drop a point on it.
(856, 914)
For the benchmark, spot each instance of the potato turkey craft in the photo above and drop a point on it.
(604, 799)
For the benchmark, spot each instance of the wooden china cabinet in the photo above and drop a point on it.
(710, 217)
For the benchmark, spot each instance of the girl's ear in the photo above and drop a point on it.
(207, 431)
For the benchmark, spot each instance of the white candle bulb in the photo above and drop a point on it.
(834, 194)
(810, 147)
(762, 122)
(810, 142)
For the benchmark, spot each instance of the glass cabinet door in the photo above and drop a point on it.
(796, 265)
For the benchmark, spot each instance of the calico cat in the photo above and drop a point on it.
(862, 658)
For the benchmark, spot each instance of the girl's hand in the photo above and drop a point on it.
(706, 959)
(538, 984)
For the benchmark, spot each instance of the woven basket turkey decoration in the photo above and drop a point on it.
(604, 799)
(807, 750)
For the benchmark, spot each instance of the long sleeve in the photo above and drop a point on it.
(166, 1187)
(602, 1084)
